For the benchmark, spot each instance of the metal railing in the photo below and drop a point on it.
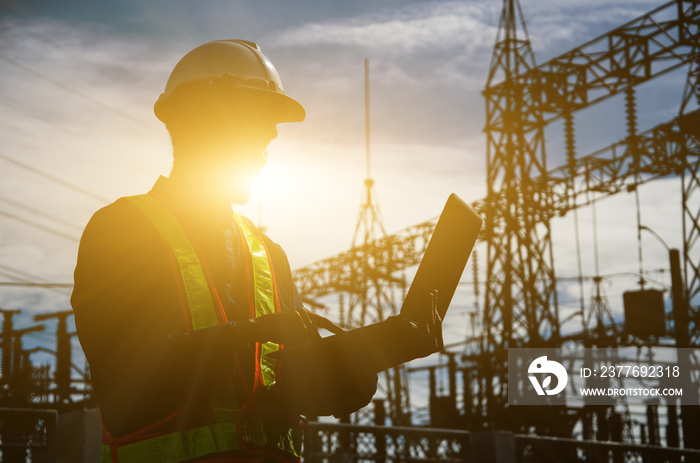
(532, 449)
(329, 442)
(28, 435)
(345, 443)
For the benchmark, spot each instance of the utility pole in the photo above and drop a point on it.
(19, 392)
(63, 354)
(21, 371)
(7, 344)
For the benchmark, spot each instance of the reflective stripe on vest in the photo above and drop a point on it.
(199, 298)
(224, 434)
(177, 446)
(263, 292)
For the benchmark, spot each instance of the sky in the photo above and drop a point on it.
(78, 81)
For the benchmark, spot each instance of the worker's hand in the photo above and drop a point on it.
(426, 333)
(291, 327)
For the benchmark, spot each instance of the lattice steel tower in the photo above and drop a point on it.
(520, 289)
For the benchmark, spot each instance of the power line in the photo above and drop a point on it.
(611, 275)
(40, 227)
(72, 91)
(74, 133)
(35, 285)
(54, 179)
(20, 272)
(4, 269)
(40, 213)
(9, 275)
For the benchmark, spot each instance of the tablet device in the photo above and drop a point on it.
(444, 260)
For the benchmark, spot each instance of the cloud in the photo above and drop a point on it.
(124, 70)
(438, 27)
(434, 27)
(428, 63)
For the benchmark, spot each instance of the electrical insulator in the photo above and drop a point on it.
(570, 141)
(403, 285)
(631, 111)
(475, 276)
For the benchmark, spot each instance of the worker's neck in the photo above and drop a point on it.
(207, 186)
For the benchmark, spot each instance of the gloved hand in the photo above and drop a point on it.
(428, 333)
(326, 382)
(288, 327)
(215, 344)
(403, 339)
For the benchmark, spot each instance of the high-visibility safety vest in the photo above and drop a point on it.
(232, 429)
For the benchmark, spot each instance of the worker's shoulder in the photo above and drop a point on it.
(121, 211)
(269, 242)
(275, 249)
(116, 221)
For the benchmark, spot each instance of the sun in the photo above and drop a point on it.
(276, 177)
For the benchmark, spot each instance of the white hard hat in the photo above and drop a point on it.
(238, 64)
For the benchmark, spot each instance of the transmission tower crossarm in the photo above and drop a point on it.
(642, 49)
(60, 314)
(663, 150)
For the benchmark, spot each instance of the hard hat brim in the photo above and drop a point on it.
(277, 106)
(281, 107)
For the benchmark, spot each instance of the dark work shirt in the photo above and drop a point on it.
(127, 310)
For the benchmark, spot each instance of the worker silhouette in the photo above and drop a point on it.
(181, 304)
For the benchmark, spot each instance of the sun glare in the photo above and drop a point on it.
(273, 180)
